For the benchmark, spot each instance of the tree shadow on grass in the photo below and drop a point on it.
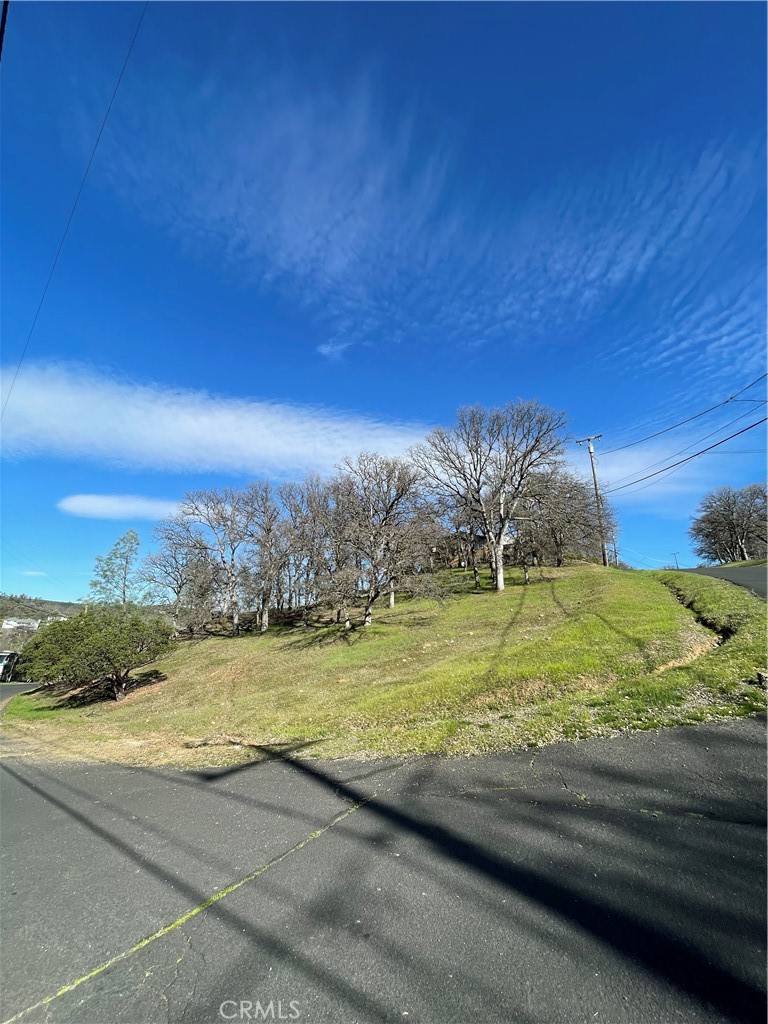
(313, 636)
(498, 657)
(644, 655)
(101, 690)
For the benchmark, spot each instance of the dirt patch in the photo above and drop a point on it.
(697, 651)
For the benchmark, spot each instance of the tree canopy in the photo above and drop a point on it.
(116, 577)
(103, 643)
(730, 524)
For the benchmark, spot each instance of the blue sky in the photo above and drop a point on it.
(315, 229)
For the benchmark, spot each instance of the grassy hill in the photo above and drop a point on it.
(581, 651)
(24, 607)
(736, 565)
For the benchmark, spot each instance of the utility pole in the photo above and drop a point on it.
(674, 555)
(588, 441)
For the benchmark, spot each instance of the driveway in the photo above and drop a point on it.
(618, 880)
(753, 577)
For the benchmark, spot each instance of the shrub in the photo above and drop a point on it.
(101, 643)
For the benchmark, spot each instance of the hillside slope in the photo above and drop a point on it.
(22, 606)
(581, 651)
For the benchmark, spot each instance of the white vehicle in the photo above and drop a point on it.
(8, 660)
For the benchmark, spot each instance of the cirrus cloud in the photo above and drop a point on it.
(72, 412)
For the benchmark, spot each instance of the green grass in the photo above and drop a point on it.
(582, 651)
(736, 565)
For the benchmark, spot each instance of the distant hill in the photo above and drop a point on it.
(24, 607)
(21, 606)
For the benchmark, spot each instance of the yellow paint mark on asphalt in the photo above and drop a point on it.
(219, 895)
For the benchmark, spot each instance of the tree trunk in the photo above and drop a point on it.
(525, 573)
(499, 566)
(368, 615)
(491, 553)
(391, 593)
(476, 574)
(264, 617)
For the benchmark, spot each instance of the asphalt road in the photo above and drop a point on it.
(753, 577)
(8, 690)
(618, 880)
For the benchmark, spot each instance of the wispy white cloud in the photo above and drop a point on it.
(317, 193)
(32, 572)
(116, 506)
(72, 412)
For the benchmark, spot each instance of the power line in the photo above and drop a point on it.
(641, 556)
(694, 456)
(697, 416)
(74, 205)
(687, 448)
(26, 560)
(3, 19)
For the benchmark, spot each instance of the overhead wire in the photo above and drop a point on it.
(23, 559)
(3, 19)
(644, 558)
(74, 206)
(689, 419)
(687, 448)
(681, 462)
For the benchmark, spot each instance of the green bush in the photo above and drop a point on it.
(101, 643)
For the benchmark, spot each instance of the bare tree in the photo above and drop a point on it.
(730, 524)
(263, 533)
(222, 522)
(180, 570)
(387, 507)
(561, 518)
(303, 541)
(320, 525)
(485, 462)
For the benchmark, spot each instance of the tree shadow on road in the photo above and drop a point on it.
(655, 949)
(600, 912)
